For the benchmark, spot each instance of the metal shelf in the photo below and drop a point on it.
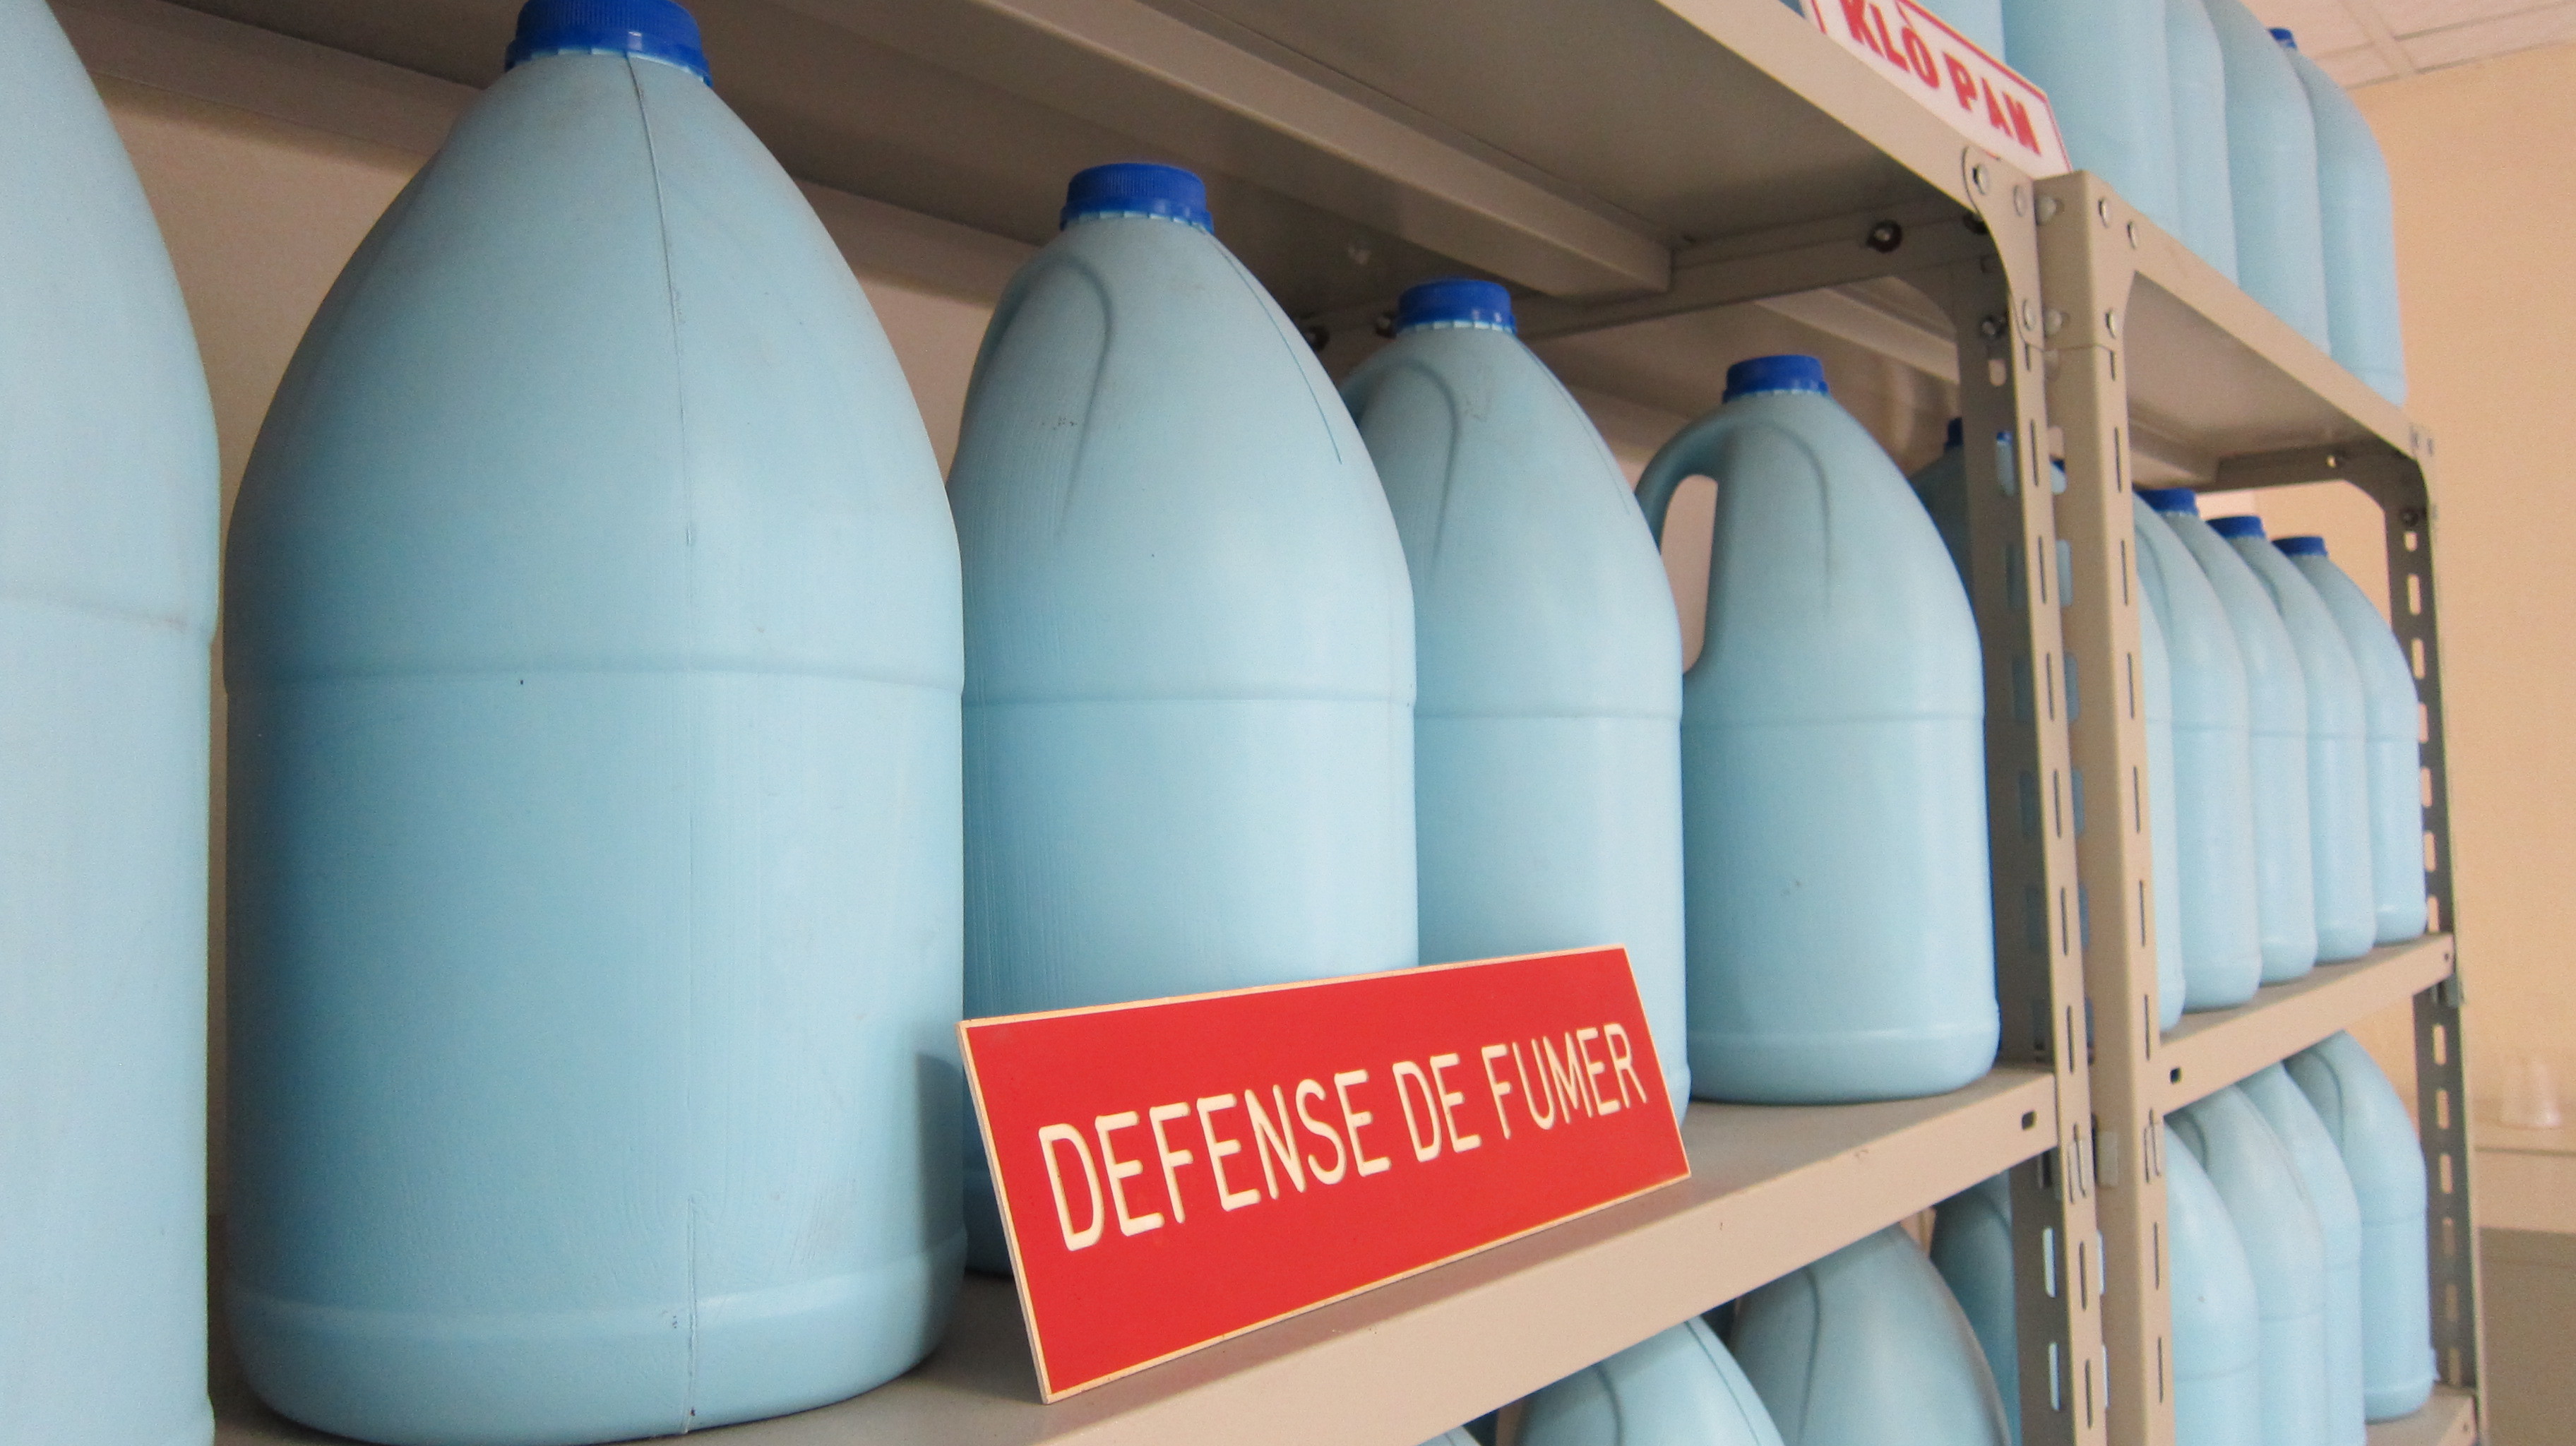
(2159, 366)
(1648, 179)
(1770, 1190)
(1354, 147)
(2449, 1419)
(2208, 1052)
(2209, 372)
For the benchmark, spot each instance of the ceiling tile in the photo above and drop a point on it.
(2324, 27)
(2356, 67)
(2414, 17)
(2464, 43)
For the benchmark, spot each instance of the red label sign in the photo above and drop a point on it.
(1178, 1171)
(1980, 96)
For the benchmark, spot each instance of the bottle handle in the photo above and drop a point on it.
(1681, 459)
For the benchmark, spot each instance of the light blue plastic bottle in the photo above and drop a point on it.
(1454, 1436)
(2321, 1170)
(1972, 1248)
(108, 489)
(2338, 762)
(1675, 1388)
(2213, 772)
(2385, 1162)
(1942, 488)
(2285, 1246)
(1841, 942)
(2164, 813)
(1189, 636)
(2393, 723)
(2272, 173)
(594, 657)
(2103, 66)
(1866, 1347)
(2276, 693)
(1546, 728)
(2199, 72)
(2357, 209)
(2217, 1319)
(1982, 21)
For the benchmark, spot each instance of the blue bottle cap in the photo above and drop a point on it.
(1454, 301)
(1957, 436)
(650, 29)
(2288, 41)
(2232, 528)
(2171, 499)
(1137, 188)
(2301, 546)
(1775, 374)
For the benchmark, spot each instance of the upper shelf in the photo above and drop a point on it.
(2208, 1052)
(1353, 147)
(1770, 1189)
(2212, 373)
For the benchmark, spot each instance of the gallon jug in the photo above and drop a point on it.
(1942, 488)
(594, 656)
(2199, 71)
(1189, 636)
(1841, 942)
(2103, 66)
(2338, 763)
(1546, 726)
(2321, 1170)
(2217, 1323)
(2392, 724)
(1675, 1388)
(2284, 1245)
(2222, 955)
(2272, 173)
(2385, 1161)
(2359, 216)
(1972, 1248)
(1866, 1347)
(2164, 812)
(2277, 696)
(108, 486)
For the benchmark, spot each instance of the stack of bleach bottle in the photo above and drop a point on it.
(2283, 759)
(2229, 138)
(2294, 1207)
(638, 762)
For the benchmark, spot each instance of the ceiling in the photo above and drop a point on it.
(2361, 42)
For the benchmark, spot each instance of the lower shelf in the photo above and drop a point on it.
(2208, 1052)
(2449, 1419)
(1770, 1190)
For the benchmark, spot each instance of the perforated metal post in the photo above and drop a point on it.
(2015, 583)
(2084, 242)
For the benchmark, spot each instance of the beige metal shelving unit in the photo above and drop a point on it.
(2157, 360)
(1657, 160)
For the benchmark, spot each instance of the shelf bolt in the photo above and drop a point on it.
(1977, 178)
(2102, 209)
(2111, 325)
(2133, 235)
(2049, 206)
(1384, 325)
(1318, 335)
(2056, 321)
(1886, 236)
(1991, 328)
